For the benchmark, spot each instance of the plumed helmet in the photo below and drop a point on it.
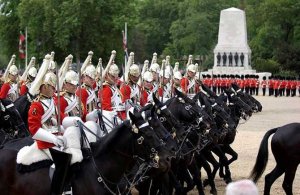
(71, 77)
(167, 73)
(90, 71)
(32, 72)
(50, 79)
(13, 70)
(148, 76)
(192, 68)
(155, 67)
(134, 70)
(52, 66)
(114, 70)
(177, 75)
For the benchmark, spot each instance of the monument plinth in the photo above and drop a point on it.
(232, 54)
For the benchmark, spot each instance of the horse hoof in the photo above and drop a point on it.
(205, 182)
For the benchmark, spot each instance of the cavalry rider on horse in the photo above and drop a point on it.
(165, 89)
(9, 89)
(177, 77)
(146, 85)
(188, 83)
(113, 109)
(44, 126)
(155, 69)
(130, 89)
(68, 101)
(88, 95)
(28, 77)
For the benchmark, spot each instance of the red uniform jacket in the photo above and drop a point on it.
(185, 83)
(84, 97)
(125, 91)
(4, 90)
(264, 84)
(23, 89)
(107, 100)
(62, 104)
(35, 114)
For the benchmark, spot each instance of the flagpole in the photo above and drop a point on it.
(26, 47)
(126, 55)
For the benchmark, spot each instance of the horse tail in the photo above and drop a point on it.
(262, 157)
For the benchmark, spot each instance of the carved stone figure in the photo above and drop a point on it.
(224, 57)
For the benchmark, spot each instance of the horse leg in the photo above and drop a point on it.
(210, 177)
(289, 178)
(271, 177)
(197, 177)
(223, 161)
(210, 158)
(227, 149)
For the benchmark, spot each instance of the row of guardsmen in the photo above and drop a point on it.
(57, 95)
(277, 85)
(102, 88)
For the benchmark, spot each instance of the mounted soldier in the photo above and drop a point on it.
(44, 126)
(155, 69)
(177, 77)
(113, 109)
(28, 77)
(146, 85)
(68, 101)
(130, 89)
(9, 89)
(165, 89)
(188, 83)
(88, 96)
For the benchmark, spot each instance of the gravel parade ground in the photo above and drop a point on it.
(276, 112)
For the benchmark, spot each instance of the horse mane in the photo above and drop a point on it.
(105, 143)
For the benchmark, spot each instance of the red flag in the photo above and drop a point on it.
(22, 46)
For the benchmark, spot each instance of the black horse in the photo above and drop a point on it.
(12, 125)
(285, 146)
(22, 104)
(101, 171)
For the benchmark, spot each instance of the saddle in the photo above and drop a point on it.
(30, 158)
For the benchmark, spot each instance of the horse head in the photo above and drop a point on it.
(11, 119)
(168, 120)
(166, 138)
(148, 143)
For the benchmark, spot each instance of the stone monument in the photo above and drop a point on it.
(232, 44)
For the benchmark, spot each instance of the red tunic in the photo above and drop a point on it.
(35, 114)
(4, 90)
(264, 84)
(23, 89)
(107, 101)
(125, 91)
(62, 104)
(84, 97)
(185, 83)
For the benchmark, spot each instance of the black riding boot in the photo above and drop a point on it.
(62, 164)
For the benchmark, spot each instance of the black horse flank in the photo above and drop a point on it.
(101, 172)
(285, 146)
